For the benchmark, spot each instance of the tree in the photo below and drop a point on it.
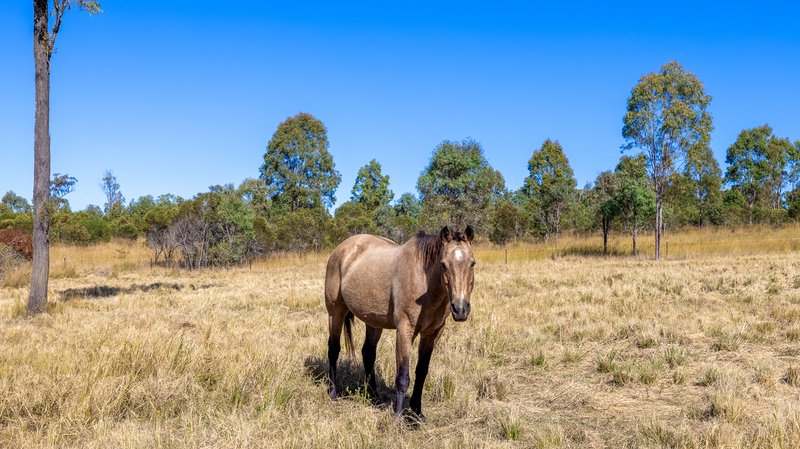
(114, 199)
(44, 40)
(550, 187)
(634, 199)
(459, 187)
(761, 166)
(408, 205)
(508, 223)
(60, 187)
(298, 166)
(703, 178)
(666, 116)
(160, 234)
(605, 203)
(407, 212)
(371, 188)
(257, 195)
(16, 203)
(353, 218)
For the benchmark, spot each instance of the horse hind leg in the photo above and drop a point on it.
(336, 320)
(368, 352)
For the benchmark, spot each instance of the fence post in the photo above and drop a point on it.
(506, 255)
(667, 255)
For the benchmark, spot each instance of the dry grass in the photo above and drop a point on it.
(558, 352)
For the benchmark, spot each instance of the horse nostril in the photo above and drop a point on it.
(454, 308)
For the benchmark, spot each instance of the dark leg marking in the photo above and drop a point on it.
(401, 386)
(368, 352)
(334, 347)
(426, 345)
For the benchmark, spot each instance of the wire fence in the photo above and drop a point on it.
(671, 248)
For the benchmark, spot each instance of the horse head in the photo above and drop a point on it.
(458, 274)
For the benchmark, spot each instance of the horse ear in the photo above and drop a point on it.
(469, 233)
(445, 234)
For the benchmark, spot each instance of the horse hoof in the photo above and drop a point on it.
(414, 419)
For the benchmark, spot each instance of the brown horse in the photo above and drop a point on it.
(411, 288)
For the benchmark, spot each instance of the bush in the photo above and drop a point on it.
(80, 228)
(18, 241)
(124, 227)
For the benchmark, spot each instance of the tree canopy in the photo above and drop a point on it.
(371, 188)
(298, 167)
(458, 186)
(760, 166)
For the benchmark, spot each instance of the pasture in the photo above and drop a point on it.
(572, 350)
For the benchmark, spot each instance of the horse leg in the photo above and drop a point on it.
(405, 335)
(368, 354)
(335, 323)
(426, 345)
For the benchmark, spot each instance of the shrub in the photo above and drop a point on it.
(18, 241)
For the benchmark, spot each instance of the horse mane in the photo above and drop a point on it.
(429, 247)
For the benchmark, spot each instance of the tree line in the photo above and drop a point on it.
(286, 208)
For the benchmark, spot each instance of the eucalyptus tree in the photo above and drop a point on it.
(634, 200)
(760, 166)
(46, 26)
(298, 168)
(371, 188)
(549, 187)
(667, 115)
(459, 186)
(604, 200)
(15, 203)
(115, 201)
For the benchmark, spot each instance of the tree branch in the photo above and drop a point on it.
(59, 8)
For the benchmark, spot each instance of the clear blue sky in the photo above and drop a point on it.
(180, 95)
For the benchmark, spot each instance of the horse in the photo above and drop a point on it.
(411, 288)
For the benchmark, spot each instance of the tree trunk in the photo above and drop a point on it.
(605, 236)
(37, 300)
(659, 220)
(634, 234)
(750, 206)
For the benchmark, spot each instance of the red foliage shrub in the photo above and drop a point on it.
(18, 241)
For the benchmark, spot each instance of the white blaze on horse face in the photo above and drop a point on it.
(457, 253)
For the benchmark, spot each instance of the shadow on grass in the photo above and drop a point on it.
(350, 381)
(105, 291)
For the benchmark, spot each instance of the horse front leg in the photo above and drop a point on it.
(426, 345)
(405, 335)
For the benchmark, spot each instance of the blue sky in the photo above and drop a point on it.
(177, 96)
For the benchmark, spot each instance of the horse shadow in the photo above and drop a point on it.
(350, 380)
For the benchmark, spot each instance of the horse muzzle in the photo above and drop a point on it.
(460, 309)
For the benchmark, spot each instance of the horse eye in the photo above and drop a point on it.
(472, 264)
(444, 265)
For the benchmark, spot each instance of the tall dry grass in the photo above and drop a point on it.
(695, 351)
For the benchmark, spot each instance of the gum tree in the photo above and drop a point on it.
(46, 26)
(371, 188)
(667, 114)
(298, 168)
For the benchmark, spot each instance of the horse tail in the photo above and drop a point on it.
(348, 334)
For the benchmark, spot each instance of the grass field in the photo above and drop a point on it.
(561, 350)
